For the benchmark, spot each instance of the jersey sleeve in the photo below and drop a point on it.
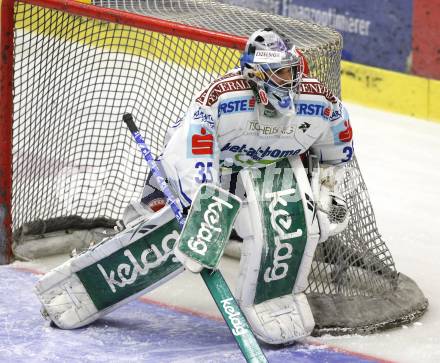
(191, 155)
(335, 145)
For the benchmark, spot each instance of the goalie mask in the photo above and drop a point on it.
(274, 69)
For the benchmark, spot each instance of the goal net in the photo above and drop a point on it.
(71, 70)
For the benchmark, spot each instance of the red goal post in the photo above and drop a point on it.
(6, 106)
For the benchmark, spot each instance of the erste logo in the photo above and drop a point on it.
(234, 105)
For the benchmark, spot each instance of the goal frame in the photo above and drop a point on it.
(7, 61)
(6, 109)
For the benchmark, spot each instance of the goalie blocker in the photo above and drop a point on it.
(279, 226)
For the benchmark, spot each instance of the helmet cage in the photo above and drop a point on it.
(283, 75)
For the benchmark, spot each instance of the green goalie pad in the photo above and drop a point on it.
(207, 228)
(280, 233)
(112, 273)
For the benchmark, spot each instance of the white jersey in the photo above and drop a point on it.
(227, 125)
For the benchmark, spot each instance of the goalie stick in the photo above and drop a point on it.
(213, 279)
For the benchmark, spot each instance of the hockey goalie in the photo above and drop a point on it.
(270, 136)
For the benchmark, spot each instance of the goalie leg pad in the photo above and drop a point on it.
(112, 273)
(281, 320)
(280, 233)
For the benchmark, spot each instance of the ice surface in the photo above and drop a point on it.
(139, 331)
(399, 158)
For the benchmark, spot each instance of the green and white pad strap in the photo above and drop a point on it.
(207, 228)
(112, 273)
(280, 233)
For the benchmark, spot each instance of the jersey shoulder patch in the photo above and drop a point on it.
(231, 82)
(311, 86)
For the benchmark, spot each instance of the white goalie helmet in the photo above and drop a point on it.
(273, 68)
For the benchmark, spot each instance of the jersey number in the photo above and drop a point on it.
(348, 151)
(205, 172)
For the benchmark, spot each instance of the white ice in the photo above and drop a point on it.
(399, 158)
